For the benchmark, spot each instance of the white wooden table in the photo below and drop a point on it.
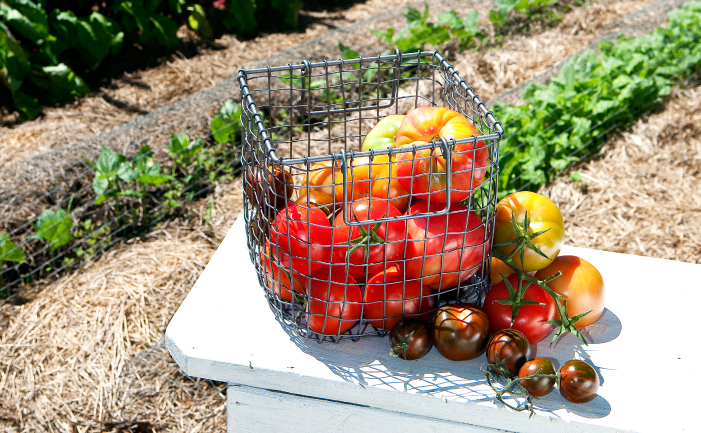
(641, 346)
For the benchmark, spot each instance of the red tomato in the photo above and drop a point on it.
(278, 276)
(459, 331)
(386, 240)
(447, 249)
(304, 235)
(389, 297)
(530, 318)
(424, 173)
(334, 304)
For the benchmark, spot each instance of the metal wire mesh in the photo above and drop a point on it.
(312, 153)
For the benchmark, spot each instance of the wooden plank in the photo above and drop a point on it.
(225, 331)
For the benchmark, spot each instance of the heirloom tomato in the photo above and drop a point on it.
(389, 297)
(530, 318)
(459, 331)
(303, 235)
(320, 199)
(278, 276)
(272, 186)
(511, 347)
(374, 178)
(538, 386)
(423, 173)
(320, 177)
(446, 249)
(579, 382)
(384, 134)
(334, 301)
(367, 248)
(543, 214)
(581, 284)
(409, 339)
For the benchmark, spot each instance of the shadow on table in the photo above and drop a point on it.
(367, 362)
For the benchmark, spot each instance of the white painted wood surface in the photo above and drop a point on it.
(225, 331)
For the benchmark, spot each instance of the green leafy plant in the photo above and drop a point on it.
(54, 227)
(9, 252)
(227, 123)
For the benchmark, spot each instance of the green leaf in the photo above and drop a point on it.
(108, 161)
(289, 10)
(198, 22)
(227, 123)
(165, 31)
(54, 227)
(241, 17)
(62, 83)
(130, 193)
(34, 31)
(348, 53)
(9, 251)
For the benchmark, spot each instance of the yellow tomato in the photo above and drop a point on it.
(543, 214)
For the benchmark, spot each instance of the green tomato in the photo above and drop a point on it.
(384, 134)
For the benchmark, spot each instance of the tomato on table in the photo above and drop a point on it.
(538, 386)
(510, 347)
(386, 240)
(384, 133)
(389, 297)
(581, 284)
(409, 339)
(334, 301)
(303, 235)
(498, 270)
(424, 174)
(459, 331)
(579, 382)
(530, 318)
(543, 214)
(444, 250)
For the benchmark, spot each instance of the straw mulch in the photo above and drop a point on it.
(642, 193)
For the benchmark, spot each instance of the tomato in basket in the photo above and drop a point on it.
(334, 301)
(374, 178)
(423, 174)
(384, 133)
(444, 250)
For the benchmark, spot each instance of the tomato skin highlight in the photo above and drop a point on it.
(441, 258)
(579, 382)
(581, 284)
(388, 297)
(529, 319)
(419, 340)
(424, 175)
(392, 233)
(543, 214)
(334, 303)
(459, 331)
(510, 346)
(538, 386)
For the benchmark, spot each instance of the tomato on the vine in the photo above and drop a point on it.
(509, 349)
(334, 301)
(530, 318)
(538, 386)
(389, 296)
(543, 214)
(579, 382)
(409, 339)
(459, 331)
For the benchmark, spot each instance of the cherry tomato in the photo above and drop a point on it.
(580, 283)
(459, 331)
(444, 250)
(409, 339)
(530, 318)
(543, 214)
(334, 301)
(386, 240)
(509, 346)
(423, 174)
(538, 386)
(384, 133)
(272, 186)
(304, 235)
(389, 297)
(579, 382)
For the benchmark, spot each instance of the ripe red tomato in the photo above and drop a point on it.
(389, 297)
(386, 240)
(304, 235)
(278, 276)
(447, 249)
(579, 382)
(459, 331)
(580, 283)
(509, 346)
(409, 339)
(530, 318)
(334, 303)
(543, 214)
(424, 174)
(538, 386)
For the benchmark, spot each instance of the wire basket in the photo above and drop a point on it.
(364, 244)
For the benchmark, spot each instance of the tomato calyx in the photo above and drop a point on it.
(500, 367)
(516, 297)
(403, 345)
(366, 238)
(513, 386)
(523, 239)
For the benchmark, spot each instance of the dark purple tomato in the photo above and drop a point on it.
(275, 183)
(460, 331)
(538, 386)
(409, 339)
(509, 346)
(579, 382)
